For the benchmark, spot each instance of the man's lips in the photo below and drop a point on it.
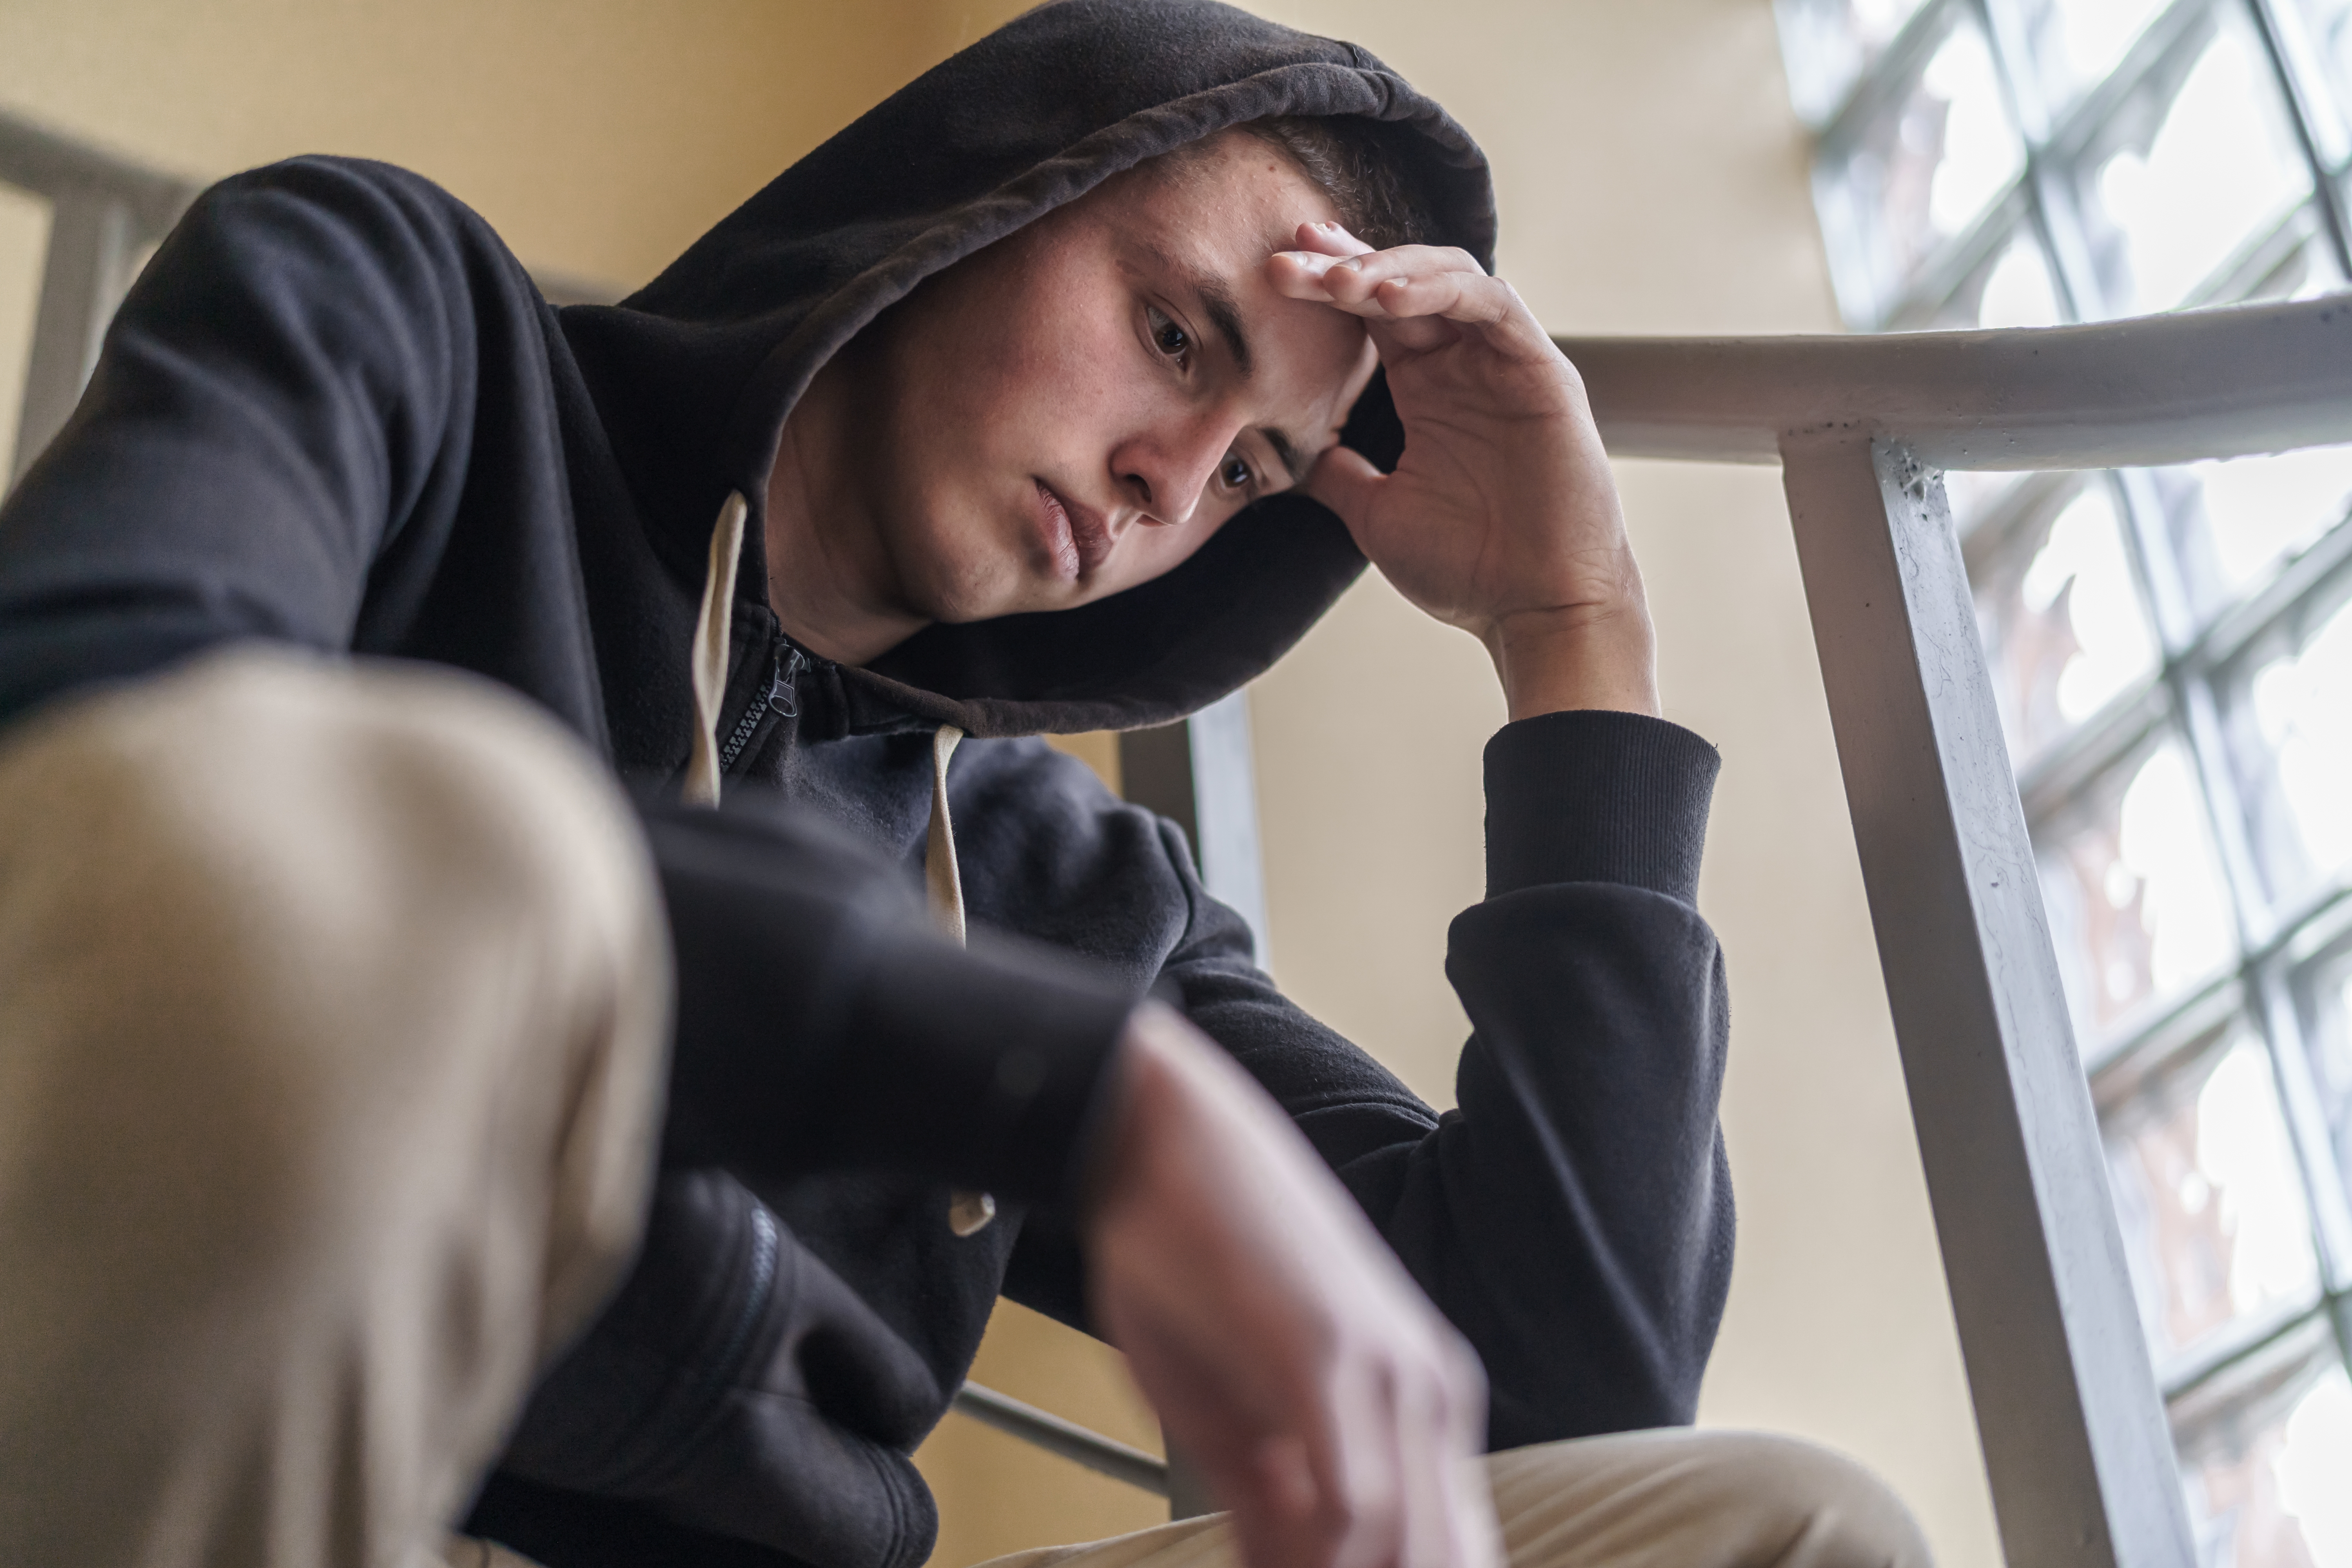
(1078, 535)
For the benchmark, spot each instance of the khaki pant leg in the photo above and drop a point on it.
(332, 1008)
(1668, 1498)
(1679, 1498)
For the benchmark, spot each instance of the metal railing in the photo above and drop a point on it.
(2073, 1431)
(105, 213)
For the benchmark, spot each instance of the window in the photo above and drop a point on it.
(2171, 650)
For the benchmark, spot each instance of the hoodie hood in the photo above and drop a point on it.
(695, 373)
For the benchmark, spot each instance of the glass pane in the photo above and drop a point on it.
(2234, 523)
(2076, 43)
(2303, 267)
(1921, 171)
(2289, 719)
(2208, 1198)
(2137, 908)
(2322, 44)
(2063, 625)
(1827, 44)
(2328, 1041)
(2016, 288)
(2266, 1488)
(2200, 161)
(1976, 493)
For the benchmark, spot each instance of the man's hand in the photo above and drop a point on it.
(1327, 1402)
(1502, 518)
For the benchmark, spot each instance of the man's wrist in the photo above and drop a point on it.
(1556, 662)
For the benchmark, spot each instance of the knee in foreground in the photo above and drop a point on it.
(1817, 1509)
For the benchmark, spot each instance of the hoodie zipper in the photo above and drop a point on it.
(779, 696)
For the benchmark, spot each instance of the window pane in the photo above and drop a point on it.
(2137, 908)
(2234, 523)
(2302, 267)
(2288, 715)
(2266, 1485)
(2063, 623)
(1919, 171)
(1827, 44)
(2200, 162)
(2208, 1199)
(2015, 287)
(2075, 43)
(2327, 28)
(2328, 1040)
(1974, 494)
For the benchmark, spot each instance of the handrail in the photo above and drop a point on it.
(1048, 1431)
(35, 158)
(2218, 383)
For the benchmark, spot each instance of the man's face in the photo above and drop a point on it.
(1075, 410)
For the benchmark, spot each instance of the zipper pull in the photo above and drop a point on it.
(782, 695)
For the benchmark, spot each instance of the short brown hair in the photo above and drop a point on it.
(1343, 157)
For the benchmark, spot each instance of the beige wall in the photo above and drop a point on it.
(1652, 181)
(598, 136)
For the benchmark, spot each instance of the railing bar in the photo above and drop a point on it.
(2075, 1446)
(1067, 1439)
(2141, 392)
(2299, 111)
(36, 159)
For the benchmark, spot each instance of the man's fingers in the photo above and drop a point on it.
(1331, 239)
(1478, 1536)
(1401, 260)
(1471, 298)
(1427, 1439)
(1415, 298)
(1448, 1512)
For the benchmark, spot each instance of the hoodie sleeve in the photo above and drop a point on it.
(1573, 1215)
(279, 390)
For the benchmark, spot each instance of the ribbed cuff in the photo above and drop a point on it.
(1597, 796)
(986, 1066)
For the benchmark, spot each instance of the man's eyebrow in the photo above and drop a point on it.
(1287, 450)
(1224, 313)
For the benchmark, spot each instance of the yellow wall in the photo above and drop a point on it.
(1652, 181)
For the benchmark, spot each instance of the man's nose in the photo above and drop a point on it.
(1165, 471)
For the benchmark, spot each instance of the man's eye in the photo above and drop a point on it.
(1236, 474)
(1166, 335)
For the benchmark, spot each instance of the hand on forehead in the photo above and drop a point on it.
(1213, 216)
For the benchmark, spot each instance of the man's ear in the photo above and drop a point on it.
(1373, 427)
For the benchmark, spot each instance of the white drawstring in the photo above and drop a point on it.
(710, 639)
(968, 1212)
(940, 871)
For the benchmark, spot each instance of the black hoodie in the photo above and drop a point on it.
(335, 414)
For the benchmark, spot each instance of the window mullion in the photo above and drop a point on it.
(2306, 1121)
(2299, 110)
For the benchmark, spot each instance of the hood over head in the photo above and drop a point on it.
(695, 373)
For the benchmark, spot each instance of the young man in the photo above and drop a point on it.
(338, 989)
